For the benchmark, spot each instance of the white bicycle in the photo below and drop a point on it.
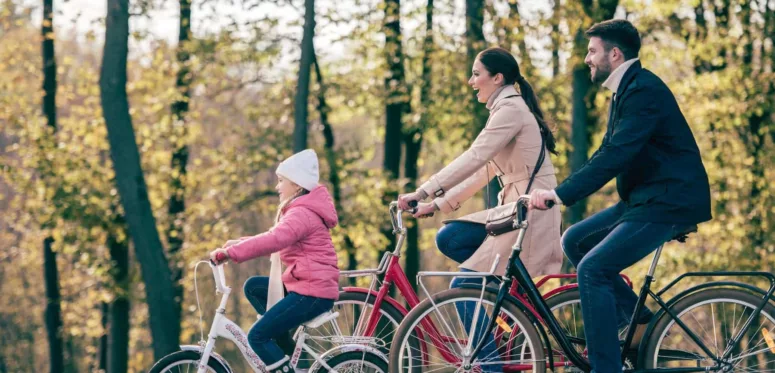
(201, 358)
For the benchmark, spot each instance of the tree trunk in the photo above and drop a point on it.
(475, 43)
(395, 106)
(118, 319)
(53, 311)
(71, 365)
(526, 65)
(333, 167)
(49, 65)
(556, 43)
(51, 273)
(583, 115)
(413, 141)
(302, 91)
(754, 135)
(397, 97)
(581, 119)
(703, 65)
(769, 26)
(159, 289)
(753, 138)
(177, 203)
(22, 336)
(102, 357)
(721, 11)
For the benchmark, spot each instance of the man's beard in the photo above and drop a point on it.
(602, 72)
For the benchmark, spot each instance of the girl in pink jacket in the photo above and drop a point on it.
(302, 238)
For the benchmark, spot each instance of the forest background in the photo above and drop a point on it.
(131, 145)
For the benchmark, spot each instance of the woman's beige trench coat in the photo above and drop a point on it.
(508, 147)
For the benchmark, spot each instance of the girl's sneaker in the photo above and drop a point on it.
(282, 366)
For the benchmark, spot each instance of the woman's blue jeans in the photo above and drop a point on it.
(458, 241)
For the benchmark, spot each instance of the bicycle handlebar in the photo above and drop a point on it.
(220, 278)
(395, 217)
(398, 223)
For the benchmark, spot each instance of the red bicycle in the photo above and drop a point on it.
(370, 316)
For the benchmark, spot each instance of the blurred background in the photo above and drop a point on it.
(219, 91)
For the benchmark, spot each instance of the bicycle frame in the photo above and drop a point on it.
(647, 292)
(225, 328)
(516, 271)
(394, 274)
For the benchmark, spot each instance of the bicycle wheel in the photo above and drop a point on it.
(442, 323)
(185, 361)
(715, 316)
(354, 309)
(356, 361)
(566, 308)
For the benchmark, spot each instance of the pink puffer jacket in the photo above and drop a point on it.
(303, 239)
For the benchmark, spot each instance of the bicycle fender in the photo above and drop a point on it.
(213, 355)
(347, 348)
(718, 284)
(522, 307)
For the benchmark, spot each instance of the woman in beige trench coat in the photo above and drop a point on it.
(507, 148)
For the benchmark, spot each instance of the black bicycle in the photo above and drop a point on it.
(718, 326)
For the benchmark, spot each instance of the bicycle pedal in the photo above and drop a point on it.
(629, 364)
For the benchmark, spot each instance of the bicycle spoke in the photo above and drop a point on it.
(715, 339)
(462, 322)
(728, 310)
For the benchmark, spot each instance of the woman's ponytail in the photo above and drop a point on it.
(532, 102)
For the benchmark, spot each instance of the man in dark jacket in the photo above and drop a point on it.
(660, 178)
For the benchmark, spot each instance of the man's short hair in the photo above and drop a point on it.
(618, 33)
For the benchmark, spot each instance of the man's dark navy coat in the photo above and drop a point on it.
(651, 151)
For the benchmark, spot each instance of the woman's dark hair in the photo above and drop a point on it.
(499, 61)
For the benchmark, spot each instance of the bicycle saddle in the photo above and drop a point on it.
(681, 237)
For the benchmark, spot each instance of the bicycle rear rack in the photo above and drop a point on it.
(766, 275)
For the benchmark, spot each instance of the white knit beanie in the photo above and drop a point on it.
(301, 168)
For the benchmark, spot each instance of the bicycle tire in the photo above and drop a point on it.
(169, 361)
(340, 361)
(389, 312)
(415, 316)
(658, 348)
(569, 298)
(566, 308)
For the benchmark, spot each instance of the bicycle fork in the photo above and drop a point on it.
(213, 334)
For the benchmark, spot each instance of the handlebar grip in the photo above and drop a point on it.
(550, 203)
(413, 205)
(220, 257)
